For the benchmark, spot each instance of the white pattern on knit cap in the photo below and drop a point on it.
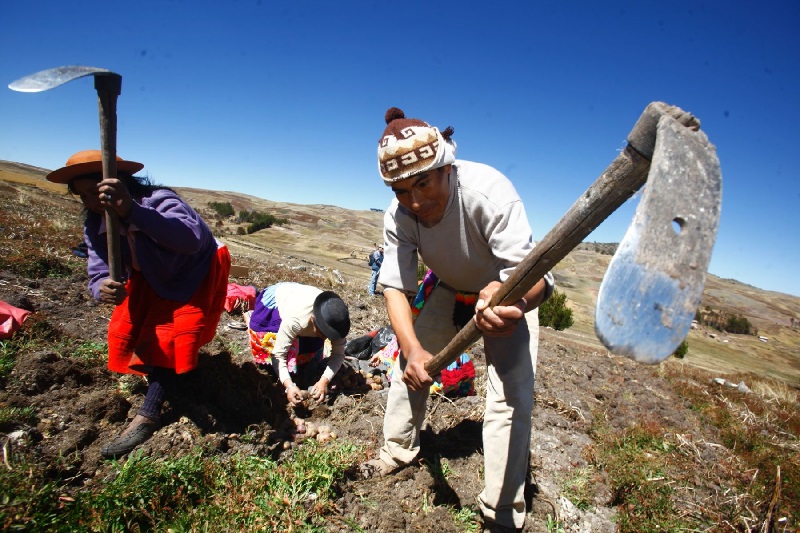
(422, 149)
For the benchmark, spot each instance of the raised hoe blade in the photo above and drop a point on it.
(50, 78)
(652, 289)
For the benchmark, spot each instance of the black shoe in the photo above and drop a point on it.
(490, 526)
(139, 430)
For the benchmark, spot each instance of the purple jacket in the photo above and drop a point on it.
(174, 246)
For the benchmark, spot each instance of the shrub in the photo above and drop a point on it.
(258, 220)
(680, 351)
(223, 209)
(722, 321)
(555, 313)
(738, 324)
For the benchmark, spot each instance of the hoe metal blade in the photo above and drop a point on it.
(652, 289)
(626, 174)
(108, 86)
(53, 77)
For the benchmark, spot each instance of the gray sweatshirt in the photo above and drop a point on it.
(482, 236)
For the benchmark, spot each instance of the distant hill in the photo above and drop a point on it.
(22, 168)
(326, 235)
(340, 239)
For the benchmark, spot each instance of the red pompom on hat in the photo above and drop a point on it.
(411, 146)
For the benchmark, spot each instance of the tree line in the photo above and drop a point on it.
(255, 220)
(727, 322)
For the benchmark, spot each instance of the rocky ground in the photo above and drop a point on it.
(234, 407)
(230, 406)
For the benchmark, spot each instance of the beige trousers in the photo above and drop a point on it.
(511, 367)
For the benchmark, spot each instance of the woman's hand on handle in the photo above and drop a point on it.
(112, 292)
(115, 195)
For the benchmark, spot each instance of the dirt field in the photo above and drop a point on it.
(231, 407)
(82, 406)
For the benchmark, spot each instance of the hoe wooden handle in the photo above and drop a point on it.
(108, 89)
(623, 177)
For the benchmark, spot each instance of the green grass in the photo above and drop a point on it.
(90, 351)
(190, 493)
(652, 470)
(27, 502)
(7, 358)
(9, 349)
(553, 525)
(466, 519)
(762, 433)
(639, 461)
(12, 416)
(579, 486)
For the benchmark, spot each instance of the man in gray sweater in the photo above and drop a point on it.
(466, 222)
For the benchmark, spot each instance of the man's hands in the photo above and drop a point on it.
(112, 292)
(497, 321)
(500, 320)
(415, 375)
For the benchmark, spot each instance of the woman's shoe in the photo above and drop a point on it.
(138, 431)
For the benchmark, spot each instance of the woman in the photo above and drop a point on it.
(288, 328)
(173, 286)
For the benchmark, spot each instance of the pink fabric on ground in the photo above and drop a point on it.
(240, 295)
(11, 318)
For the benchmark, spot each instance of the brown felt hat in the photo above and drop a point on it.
(89, 162)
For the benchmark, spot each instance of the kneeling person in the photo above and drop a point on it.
(287, 330)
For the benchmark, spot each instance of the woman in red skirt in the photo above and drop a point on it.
(173, 286)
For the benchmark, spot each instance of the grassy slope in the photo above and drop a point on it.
(340, 239)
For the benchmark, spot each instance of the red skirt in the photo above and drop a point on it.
(147, 330)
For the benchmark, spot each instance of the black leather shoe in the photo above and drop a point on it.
(139, 430)
(490, 526)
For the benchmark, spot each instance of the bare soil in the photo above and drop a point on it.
(230, 406)
(81, 406)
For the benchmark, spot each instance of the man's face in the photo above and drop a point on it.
(425, 194)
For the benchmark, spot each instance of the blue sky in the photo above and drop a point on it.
(285, 100)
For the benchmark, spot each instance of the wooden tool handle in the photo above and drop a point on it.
(108, 89)
(623, 177)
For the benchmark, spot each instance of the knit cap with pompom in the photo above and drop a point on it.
(410, 146)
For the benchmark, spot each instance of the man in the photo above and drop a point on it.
(467, 223)
(375, 262)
